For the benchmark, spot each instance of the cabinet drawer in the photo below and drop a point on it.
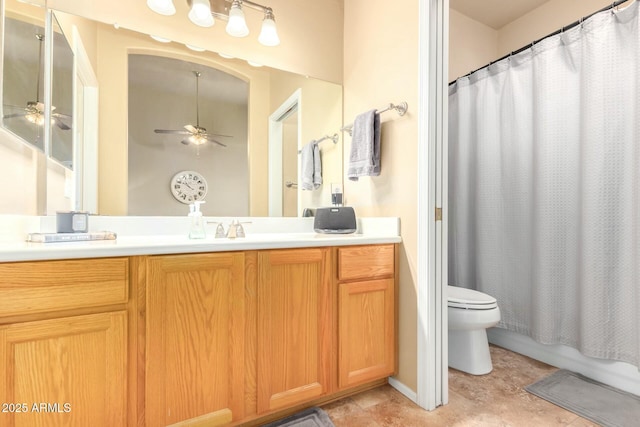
(361, 262)
(36, 287)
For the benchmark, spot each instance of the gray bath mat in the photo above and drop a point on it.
(590, 399)
(312, 417)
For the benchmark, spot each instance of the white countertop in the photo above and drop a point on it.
(163, 235)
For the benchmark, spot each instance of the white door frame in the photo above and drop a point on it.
(275, 150)
(432, 196)
(85, 148)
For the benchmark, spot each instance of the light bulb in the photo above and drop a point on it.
(163, 7)
(237, 26)
(200, 13)
(268, 34)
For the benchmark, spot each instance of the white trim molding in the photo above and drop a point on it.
(432, 272)
(275, 150)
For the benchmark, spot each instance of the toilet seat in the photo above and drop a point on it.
(469, 299)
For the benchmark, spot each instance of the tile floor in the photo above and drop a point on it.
(497, 399)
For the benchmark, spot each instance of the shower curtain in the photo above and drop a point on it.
(544, 187)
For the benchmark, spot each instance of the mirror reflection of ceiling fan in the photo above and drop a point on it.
(197, 134)
(34, 111)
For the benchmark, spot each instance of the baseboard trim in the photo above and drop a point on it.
(615, 374)
(406, 391)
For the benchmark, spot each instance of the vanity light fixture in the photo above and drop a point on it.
(204, 13)
(200, 13)
(237, 26)
(163, 7)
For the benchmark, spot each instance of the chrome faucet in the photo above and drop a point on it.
(235, 229)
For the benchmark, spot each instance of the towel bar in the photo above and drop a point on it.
(401, 109)
(333, 138)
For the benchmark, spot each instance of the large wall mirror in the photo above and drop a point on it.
(38, 142)
(132, 165)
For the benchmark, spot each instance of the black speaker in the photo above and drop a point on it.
(336, 220)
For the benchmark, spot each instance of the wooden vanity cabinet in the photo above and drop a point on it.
(195, 321)
(223, 338)
(366, 314)
(294, 327)
(63, 343)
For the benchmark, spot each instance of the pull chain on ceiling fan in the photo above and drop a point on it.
(197, 134)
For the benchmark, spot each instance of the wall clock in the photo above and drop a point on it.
(188, 186)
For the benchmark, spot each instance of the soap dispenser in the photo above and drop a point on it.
(197, 230)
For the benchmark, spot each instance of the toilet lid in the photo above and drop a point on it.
(468, 298)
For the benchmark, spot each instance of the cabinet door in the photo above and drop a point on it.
(195, 339)
(294, 326)
(365, 331)
(64, 372)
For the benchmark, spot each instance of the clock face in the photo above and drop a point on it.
(188, 186)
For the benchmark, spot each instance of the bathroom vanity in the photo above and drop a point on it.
(174, 331)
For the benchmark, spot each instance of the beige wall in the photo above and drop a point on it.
(546, 19)
(381, 66)
(19, 164)
(310, 31)
(88, 31)
(472, 44)
(321, 108)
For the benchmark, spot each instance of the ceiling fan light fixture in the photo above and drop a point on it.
(35, 118)
(269, 34)
(237, 26)
(200, 13)
(163, 7)
(197, 139)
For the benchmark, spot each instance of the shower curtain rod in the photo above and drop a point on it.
(523, 48)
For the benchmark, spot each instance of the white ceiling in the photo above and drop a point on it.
(495, 13)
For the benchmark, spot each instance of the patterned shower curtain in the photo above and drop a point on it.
(544, 187)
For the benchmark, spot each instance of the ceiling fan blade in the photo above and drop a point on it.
(174, 132)
(60, 115)
(191, 129)
(10, 116)
(186, 142)
(62, 125)
(216, 142)
(219, 134)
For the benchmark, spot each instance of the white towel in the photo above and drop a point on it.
(364, 159)
(310, 166)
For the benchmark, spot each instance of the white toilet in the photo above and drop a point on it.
(470, 314)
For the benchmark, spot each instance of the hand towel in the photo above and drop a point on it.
(310, 167)
(364, 159)
(317, 167)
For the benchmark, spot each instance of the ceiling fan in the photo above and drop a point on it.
(197, 134)
(34, 111)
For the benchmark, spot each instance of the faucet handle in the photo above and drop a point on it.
(236, 229)
(219, 229)
(240, 230)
